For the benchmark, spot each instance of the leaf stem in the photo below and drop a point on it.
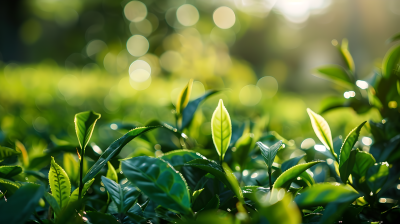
(270, 179)
(81, 175)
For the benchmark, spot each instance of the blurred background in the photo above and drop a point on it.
(128, 60)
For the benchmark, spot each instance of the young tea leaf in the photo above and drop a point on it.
(111, 173)
(52, 202)
(75, 194)
(335, 73)
(344, 50)
(221, 129)
(390, 61)
(84, 125)
(287, 177)
(269, 154)
(59, 184)
(7, 152)
(364, 160)
(183, 98)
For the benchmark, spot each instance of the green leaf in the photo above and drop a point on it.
(123, 196)
(113, 150)
(196, 194)
(307, 178)
(243, 147)
(84, 125)
(189, 111)
(183, 98)
(221, 129)
(7, 152)
(111, 173)
(75, 194)
(347, 156)
(364, 160)
(324, 193)
(59, 184)
(335, 73)
(10, 186)
(254, 192)
(100, 218)
(390, 61)
(281, 211)
(333, 211)
(20, 206)
(344, 50)
(9, 171)
(291, 162)
(211, 167)
(213, 204)
(287, 177)
(158, 181)
(233, 182)
(52, 202)
(393, 38)
(178, 158)
(322, 130)
(71, 166)
(377, 175)
(269, 153)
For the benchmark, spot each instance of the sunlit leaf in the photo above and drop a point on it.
(335, 73)
(158, 181)
(10, 186)
(390, 61)
(113, 150)
(111, 173)
(52, 202)
(291, 162)
(269, 154)
(233, 182)
(21, 148)
(344, 50)
(346, 148)
(9, 171)
(347, 167)
(280, 210)
(377, 175)
(364, 160)
(183, 98)
(7, 152)
(71, 166)
(196, 194)
(243, 147)
(59, 184)
(221, 129)
(287, 177)
(84, 125)
(75, 194)
(322, 130)
(178, 158)
(22, 204)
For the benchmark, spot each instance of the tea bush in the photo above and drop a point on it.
(247, 179)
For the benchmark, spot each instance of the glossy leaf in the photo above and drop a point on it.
(21, 205)
(189, 111)
(111, 173)
(100, 218)
(322, 130)
(52, 202)
(376, 176)
(335, 73)
(75, 194)
(183, 98)
(178, 158)
(59, 184)
(210, 167)
(347, 167)
(324, 193)
(9, 171)
(390, 61)
(281, 211)
(84, 125)
(158, 181)
(123, 196)
(364, 160)
(291, 162)
(113, 150)
(7, 152)
(221, 129)
(233, 182)
(269, 153)
(287, 177)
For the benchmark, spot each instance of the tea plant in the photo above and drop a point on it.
(245, 181)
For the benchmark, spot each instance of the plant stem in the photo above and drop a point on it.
(270, 180)
(80, 176)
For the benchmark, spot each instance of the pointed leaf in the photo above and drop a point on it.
(287, 177)
(269, 153)
(178, 158)
(84, 125)
(123, 196)
(322, 130)
(390, 61)
(344, 50)
(52, 202)
(7, 152)
(377, 176)
(113, 150)
(75, 194)
(347, 167)
(22, 204)
(291, 162)
(364, 160)
(335, 73)
(111, 173)
(322, 194)
(59, 184)
(233, 182)
(221, 129)
(9, 171)
(213, 204)
(158, 181)
(183, 98)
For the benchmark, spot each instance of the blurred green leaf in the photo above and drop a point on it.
(52, 202)
(158, 181)
(213, 204)
(59, 184)
(183, 98)
(100, 218)
(364, 161)
(84, 125)
(9, 171)
(243, 147)
(394, 38)
(7, 152)
(195, 195)
(233, 182)
(377, 175)
(335, 73)
(291, 162)
(75, 194)
(333, 211)
(113, 150)
(344, 50)
(221, 129)
(10, 186)
(287, 177)
(111, 173)
(324, 193)
(281, 210)
(390, 61)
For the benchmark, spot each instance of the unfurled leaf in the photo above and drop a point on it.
(84, 125)
(123, 196)
(344, 50)
(75, 194)
(269, 153)
(233, 182)
(322, 130)
(291, 162)
(9, 171)
(287, 177)
(59, 184)
(335, 73)
(113, 150)
(364, 160)
(377, 175)
(7, 152)
(390, 61)
(111, 173)
(158, 181)
(324, 193)
(183, 98)
(19, 207)
(52, 202)
(347, 157)
(221, 129)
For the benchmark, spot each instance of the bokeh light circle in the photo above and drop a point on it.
(135, 11)
(171, 61)
(139, 75)
(139, 64)
(137, 45)
(250, 95)
(268, 86)
(224, 17)
(187, 15)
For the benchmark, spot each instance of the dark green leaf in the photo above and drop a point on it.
(159, 181)
(364, 160)
(101, 218)
(9, 171)
(287, 177)
(9, 186)
(75, 194)
(377, 175)
(347, 167)
(113, 150)
(52, 202)
(21, 205)
(291, 162)
(233, 182)
(333, 211)
(335, 73)
(7, 152)
(178, 158)
(390, 61)
(269, 153)
(221, 128)
(84, 125)
(213, 204)
(211, 167)
(59, 184)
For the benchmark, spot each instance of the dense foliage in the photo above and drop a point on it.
(244, 181)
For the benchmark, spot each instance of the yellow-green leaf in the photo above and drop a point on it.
(75, 194)
(390, 61)
(71, 166)
(221, 128)
(287, 177)
(183, 98)
(111, 173)
(344, 50)
(59, 184)
(84, 125)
